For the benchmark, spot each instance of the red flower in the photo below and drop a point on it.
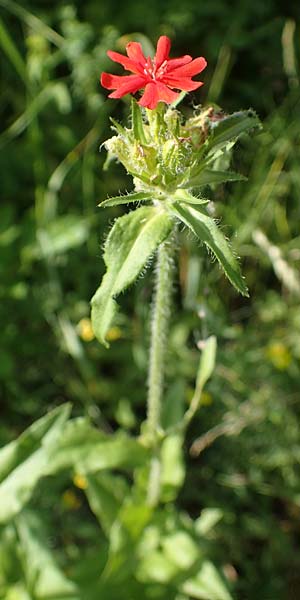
(159, 76)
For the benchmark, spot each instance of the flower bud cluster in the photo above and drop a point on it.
(160, 150)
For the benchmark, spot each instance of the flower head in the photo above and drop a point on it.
(159, 77)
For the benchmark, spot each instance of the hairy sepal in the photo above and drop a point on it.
(129, 245)
(127, 199)
(206, 229)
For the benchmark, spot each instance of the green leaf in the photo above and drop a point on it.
(37, 104)
(106, 494)
(208, 519)
(173, 468)
(11, 51)
(205, 370)
(181, 549)
(207, 584)
(173, 405)
(182, 195)
(207, 231)
(44, 578)
(131, 242)
(10, 569)
(232, 127)
(207, 362)
(134, 197)
(118, 128)
(156, 568)
(17, 592)
(90, 450)
(211, 177)
(62, 234)
(125, 535)
(24, 461)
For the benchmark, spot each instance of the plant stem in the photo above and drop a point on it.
(159, 336)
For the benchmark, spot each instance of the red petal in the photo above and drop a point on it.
(162, 50)
(126, 84)
(127, 63)
(174, 63)
(165, 94)
(193, 68)
(157, 92)
(135, 52)
(149, 98)
(181, 83)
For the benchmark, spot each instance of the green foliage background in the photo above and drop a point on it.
(54, 117)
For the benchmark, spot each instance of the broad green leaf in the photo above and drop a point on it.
(134, 197)
(156, 568)
(14, 454)
(125, 535)
(87, 568)
(44, 578)
(61, 235)
(26, 460)
(232, 127)
(106, 493)
(131, 242)
(17, 592)
(211, 177)
(89, 450)
(205, 228)
(181, 549)
(172, 468)
(207, 584)
(10, 569)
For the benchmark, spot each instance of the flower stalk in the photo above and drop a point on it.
(158, 346)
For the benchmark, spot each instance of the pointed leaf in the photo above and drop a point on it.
(207, 362)
(24, 461)
(182, 195)
(208, 519)
(125, 535)
(205, 370)
(207, 584)
(43, 576)
(106, 493)
(89, 450)
(118, 128)
(130, 244)
(211, 177)
(207, 231)
(134, 197)
(173, 468)
(11, 50)
(181, 548)
(232, 127)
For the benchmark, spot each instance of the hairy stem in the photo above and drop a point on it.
(159, 336)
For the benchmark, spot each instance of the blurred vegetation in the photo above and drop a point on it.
(243, 449)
